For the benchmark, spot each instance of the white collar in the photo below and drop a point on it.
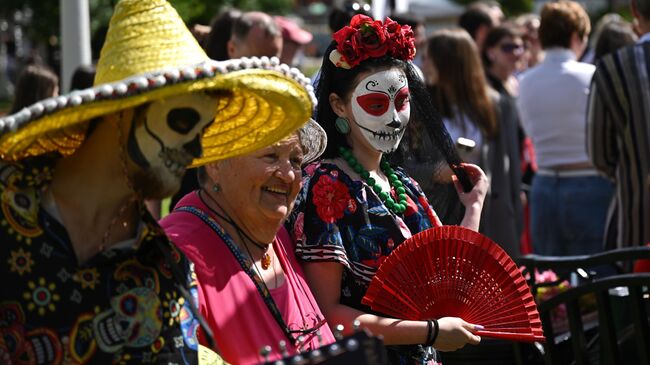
(644, 38)
(559, 55)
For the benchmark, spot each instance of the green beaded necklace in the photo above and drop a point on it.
(393, 179)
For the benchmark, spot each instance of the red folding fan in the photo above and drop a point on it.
(452, 271)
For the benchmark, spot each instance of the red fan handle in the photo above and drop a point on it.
(524, 337)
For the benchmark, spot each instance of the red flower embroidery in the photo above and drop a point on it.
(390, 244)
(298, 227)
(310, 169)
(375, 263)
(352, 206)
(330, 197)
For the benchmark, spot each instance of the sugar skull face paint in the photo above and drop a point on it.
(167, 137)
(381, 109)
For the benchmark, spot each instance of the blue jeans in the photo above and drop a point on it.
(568, 214)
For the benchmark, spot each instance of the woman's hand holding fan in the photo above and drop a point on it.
(455, 333)
(452, 271)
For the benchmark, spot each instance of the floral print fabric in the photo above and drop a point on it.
(343, 220)
(120, 307)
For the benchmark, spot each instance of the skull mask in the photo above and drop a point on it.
(166, 136)
(381, 109)
(134, 320)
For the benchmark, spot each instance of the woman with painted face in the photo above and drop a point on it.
(251, 289)
(355, 207)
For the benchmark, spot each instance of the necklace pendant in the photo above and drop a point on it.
(266, 261)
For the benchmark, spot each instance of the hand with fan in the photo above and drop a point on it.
(453, 271)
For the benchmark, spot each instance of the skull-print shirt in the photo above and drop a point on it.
(120, 307)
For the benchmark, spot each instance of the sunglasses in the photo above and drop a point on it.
(511, 48)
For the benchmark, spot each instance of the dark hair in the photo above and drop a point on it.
(494, 36)
(83, 77)
(462, 87)
(35, 83)
(216, 44)
(342, 81)
(559, 20)
(340, 16)
(613, 36)
(475, 16)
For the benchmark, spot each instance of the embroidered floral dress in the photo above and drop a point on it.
(337, 219)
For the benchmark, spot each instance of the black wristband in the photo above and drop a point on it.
(436, 329)
(429, 330)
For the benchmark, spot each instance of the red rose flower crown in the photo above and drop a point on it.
(365, 38)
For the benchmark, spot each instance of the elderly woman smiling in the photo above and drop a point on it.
(250, 287)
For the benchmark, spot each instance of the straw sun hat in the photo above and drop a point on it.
(150, 54)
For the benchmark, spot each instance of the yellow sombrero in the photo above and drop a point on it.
(150, 54)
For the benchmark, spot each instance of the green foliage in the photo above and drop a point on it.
(45, 18)
(516, 7)
(196, 11)
(278, 7)
(623, 11)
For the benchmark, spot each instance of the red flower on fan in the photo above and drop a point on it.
(331, 198)
(365, 38)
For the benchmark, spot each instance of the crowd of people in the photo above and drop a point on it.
(289, 193)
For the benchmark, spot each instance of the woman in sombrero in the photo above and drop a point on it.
(355, 208)
(88, 276)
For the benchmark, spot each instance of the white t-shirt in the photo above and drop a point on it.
(552, 105)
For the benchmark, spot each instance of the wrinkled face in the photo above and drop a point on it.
(259, 189)
(381, 109)
(166, 137)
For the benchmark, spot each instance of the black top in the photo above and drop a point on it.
(122, 306)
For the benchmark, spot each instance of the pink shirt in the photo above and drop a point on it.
(234, 309)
